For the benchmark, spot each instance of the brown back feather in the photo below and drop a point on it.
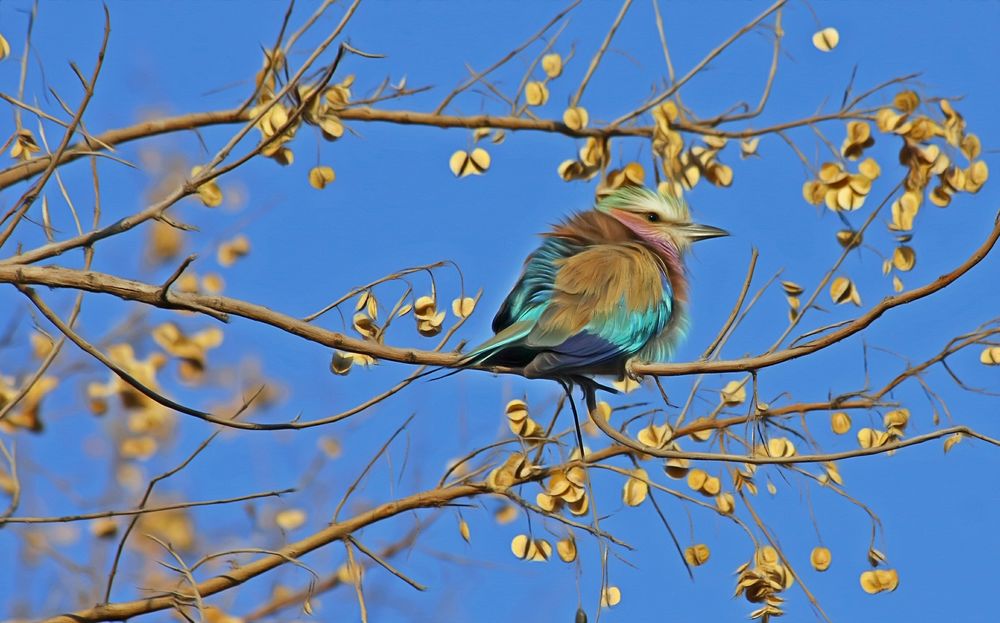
(592, 227)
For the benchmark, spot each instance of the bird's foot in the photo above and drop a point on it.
(630, 373)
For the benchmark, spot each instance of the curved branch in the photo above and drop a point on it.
(192, 121)
(234, 577)
(127, 289)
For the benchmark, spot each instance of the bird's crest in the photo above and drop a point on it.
(640, 198)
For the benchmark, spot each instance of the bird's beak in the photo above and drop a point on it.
(697, 231)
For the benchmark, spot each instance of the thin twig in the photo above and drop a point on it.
(599, 55)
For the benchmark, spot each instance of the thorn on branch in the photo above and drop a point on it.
(164, 290)
(175, 224)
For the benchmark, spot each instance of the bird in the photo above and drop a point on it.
(606, 289)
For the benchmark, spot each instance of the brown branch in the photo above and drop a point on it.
(32, 193)
(191, 121)
(38, 112)
(721, 336)
(719, 49)
(54, 351)
(779, 33)
(126, 289)
(575, 100)
(479, 76)
(234, 577)
(784, 559)
(24, 61)
(119, 550)
(144, 511)
(297, 598)
(15, 494)
(384, 564)
(25, 170)
(756, 459)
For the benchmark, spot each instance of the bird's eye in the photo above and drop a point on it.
(652, 217)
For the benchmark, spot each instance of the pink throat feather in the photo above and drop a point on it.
(667, 251)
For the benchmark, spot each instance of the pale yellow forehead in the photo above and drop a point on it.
(640, 199)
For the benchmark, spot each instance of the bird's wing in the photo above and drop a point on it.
(607, 302)
(534, 287)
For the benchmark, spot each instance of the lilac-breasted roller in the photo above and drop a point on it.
(606, 288)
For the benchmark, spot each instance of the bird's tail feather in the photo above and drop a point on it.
(481, 354)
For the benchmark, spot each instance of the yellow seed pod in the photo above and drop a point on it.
(611, 596)
(813, 192)
(506, 514)
(720, 175)
(887, 120)
(704, 434)
(230, 251)
(826, 40)
(871, 438)
(677, 468)
(766, 556)
(748, 147)
(897, 418)
(580, 507)
(209, 192)
(905, 209)
(840, 422)
(464, 163)
(566, 548)
(463, 307)
(696, 479)
(104, 528)
(950, 442)
(906, 101)
(832, 473)
(320, 176)
(990, 356)
(725, 503)
(971, 147)
(576, 117)
(603, 411)
(820, 558)
(711, 486)
(534, 550)
(341, 363)
(976, 175)
(655, 436)
(780, 447)
(869, 168)
(842, 290)
(536, 93)
(519, 546)
(791, 288)
(832, 173)
(548, 503)
(290, 519)
(552, 65)
(636, 488)
(697, 555)
(879, 580)
(904, 258)
(690, 175)
(734, 393)
(516, 410)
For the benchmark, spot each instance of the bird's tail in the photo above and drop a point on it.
(482, 353)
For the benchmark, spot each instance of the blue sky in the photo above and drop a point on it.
(395, 204)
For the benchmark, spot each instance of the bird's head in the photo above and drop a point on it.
(655, 218)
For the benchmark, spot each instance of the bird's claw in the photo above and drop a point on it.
(630, 373)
